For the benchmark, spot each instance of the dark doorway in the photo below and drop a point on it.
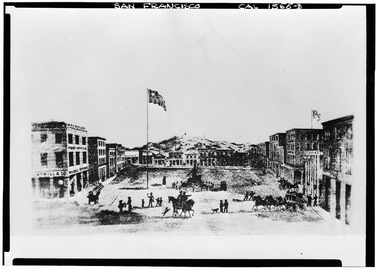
(347, 204)
(338, 199)
(79, 185)
(297, 177)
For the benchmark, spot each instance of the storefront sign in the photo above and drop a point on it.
(51, 174)
(313, 153)
(77, 148)
(79, 170)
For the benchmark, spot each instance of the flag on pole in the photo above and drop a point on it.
(316, 114)
(156, 98)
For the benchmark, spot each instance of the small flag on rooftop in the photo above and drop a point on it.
(156, 98)
(316, 115)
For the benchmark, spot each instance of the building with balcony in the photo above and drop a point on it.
(59, 159)
(175, 158)
(207, 156)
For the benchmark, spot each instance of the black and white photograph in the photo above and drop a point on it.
(188, 131)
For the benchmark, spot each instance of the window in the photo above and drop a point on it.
(71, 159)
(59, 159)
(43, 137)
(77, 139)
(43, 159)
(70, 138)
(58, 138)
(84, 157)
(83, 140)
(77, 158)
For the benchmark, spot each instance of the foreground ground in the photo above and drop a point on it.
(75, 216)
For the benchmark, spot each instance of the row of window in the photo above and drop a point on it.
(101, 152)
(59, 159)
(76, 139)
(101, 143)
(59, 138)
(76, 158)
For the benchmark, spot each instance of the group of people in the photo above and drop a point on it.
(122, 205)
(247, 197)
(309, 200)
(223, 206)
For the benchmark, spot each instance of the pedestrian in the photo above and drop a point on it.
(151, 199)
(142, 203)
(160, 201)
(315, 201)
(129, 204)
(246, 196)
(309, 200)
(120, 206)
(225, 206)
(221, 206)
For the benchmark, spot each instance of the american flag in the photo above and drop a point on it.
(156, 98)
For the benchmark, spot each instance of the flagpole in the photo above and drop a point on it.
(147, 138)
(311, 117)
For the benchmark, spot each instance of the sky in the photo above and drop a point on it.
(235, 75)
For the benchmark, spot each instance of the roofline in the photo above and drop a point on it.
(315, 129)
(96, 137)
(341, 119)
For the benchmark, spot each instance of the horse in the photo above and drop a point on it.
(259, 201)
(279, 202)
(188, 207)
(271, 201)
(184, 207)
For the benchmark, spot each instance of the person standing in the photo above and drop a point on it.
(142, 203)
(121, 206)
(225, 206)
(151, 199)
(309, 200)
(246, 196)
(221, 206)
(315, 201)
(129, 204)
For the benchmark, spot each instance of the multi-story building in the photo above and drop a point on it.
(240, 158)
(337, 163)
(277, 152)
(207, 156)
(302, 146)
(160, 159)
(190, 157)
(262, 155)
(120, 157)
(131, 156)
(145, 157)
(224, 157)
(175, 158)
(59, 159)
(111, 159)
(97, 159)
